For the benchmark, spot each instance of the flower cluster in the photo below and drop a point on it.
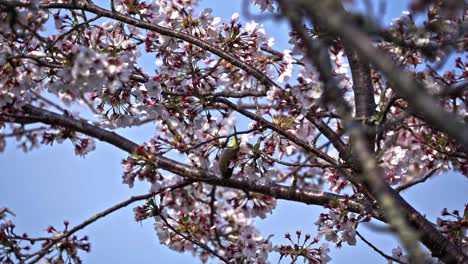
(338, 225)
(398, 253)
(8, 246)
(23, 20)
(261, 204)
(265, 5)
(199, 220)
(304, 248)
(456, 228)
(83, 145)
(337, 228)
(249, 247)
(62, 244)
(141, 165)
(67, 246)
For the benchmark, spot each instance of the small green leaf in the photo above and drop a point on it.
(256, 147)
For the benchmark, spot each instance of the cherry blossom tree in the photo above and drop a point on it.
(349, 116)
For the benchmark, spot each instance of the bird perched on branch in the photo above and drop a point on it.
(229, 154)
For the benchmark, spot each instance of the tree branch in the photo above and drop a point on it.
(193, 241)
(89, 7)
(330, 15)
(363, 89)
(378, 250)
(421, 180)
(334, 138)
(192, 173)
(279, 130)
(336, 20)
(100, 215)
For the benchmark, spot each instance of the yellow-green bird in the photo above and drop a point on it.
(229, 154)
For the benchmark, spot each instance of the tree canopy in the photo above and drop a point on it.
(350, 115)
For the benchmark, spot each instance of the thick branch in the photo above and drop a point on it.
(364, 101)
(362, 163)
(330, 15)
(334, 138)
(336, 20)
(362, 86)
(393, 206)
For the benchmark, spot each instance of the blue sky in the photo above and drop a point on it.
(49, 185)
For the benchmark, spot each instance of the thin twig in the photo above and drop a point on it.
(23, 131)
(378, 250)
(217, 138)
(213, 215)
(49, 102)
(87, 22)
(421, 180)
(205, 247)
(102, 214)
(279, 130)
